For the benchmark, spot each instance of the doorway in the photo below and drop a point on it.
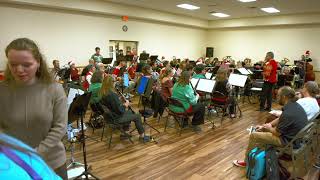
(122, 47)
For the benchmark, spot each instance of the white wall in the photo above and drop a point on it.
(67, 36)
(290, 42)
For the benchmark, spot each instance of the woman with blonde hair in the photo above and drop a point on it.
(34, 107)
(118, 110)
(166, 83)
(223, 86)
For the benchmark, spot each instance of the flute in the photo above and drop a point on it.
(124, 99)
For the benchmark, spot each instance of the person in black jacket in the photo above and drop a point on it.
(118, 109)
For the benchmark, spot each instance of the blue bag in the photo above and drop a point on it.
(256, 164)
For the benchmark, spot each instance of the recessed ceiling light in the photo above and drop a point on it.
(188, 6)
(220, 14)
(270, 10)
(247, 1)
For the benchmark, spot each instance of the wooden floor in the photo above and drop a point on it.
(207, 155)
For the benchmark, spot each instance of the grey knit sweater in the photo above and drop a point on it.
(37, 115)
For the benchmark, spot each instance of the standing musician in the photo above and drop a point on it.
(118, 110)
(310, 76)
(270, 78)
(184, 92)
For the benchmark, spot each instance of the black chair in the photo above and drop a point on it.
(178, 117)
(113, 125)
(220, 103)
(147, 113)
(256, 88)
(96, 120)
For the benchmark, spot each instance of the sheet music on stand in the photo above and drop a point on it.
(72, 94)
(194, 82)
(249, 71)
(208, 75)
(206, 85)
(243, 71)
(237, 80)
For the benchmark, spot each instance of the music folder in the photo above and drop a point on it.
(206, 85)
(237, 80)
(194, 82)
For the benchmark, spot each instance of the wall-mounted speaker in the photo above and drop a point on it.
(209, 52)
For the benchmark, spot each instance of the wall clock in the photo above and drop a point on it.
(124, 28)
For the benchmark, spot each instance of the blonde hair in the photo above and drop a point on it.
(166, 73)
(27, 44)
(222, 74)
(107, 86)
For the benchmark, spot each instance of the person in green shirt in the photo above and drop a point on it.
(95, 86)
(183, 92)
(97, 57)
(200, 72)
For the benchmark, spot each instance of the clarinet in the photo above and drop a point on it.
(124, 98)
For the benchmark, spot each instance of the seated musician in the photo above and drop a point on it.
(199, 72)
(119, 70)
(223, 86)
(281, 130)
(183, 91)
(181, 68)
(55, 70)
(87, 81)
(166, 84)
(308, 99)
(132, 70)
(118, 110)
(95, 86)
(74, 73)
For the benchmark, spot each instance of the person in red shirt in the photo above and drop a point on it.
(270, 78)
(74, 73)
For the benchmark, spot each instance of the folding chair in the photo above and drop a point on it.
(178, 117)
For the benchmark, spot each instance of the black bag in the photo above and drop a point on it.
(274, 169)
(272, 166)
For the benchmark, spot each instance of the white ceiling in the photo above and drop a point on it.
(234, 8)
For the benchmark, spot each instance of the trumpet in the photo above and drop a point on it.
(124, 99)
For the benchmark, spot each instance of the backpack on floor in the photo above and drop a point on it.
(272, 165)
(274, 169)
(256, 164)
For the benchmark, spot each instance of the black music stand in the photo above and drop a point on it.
(153, 58)
(145, 92)
(144, 57)
(77, 110)
(129, 58)
(237, 81)
(107, 60)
